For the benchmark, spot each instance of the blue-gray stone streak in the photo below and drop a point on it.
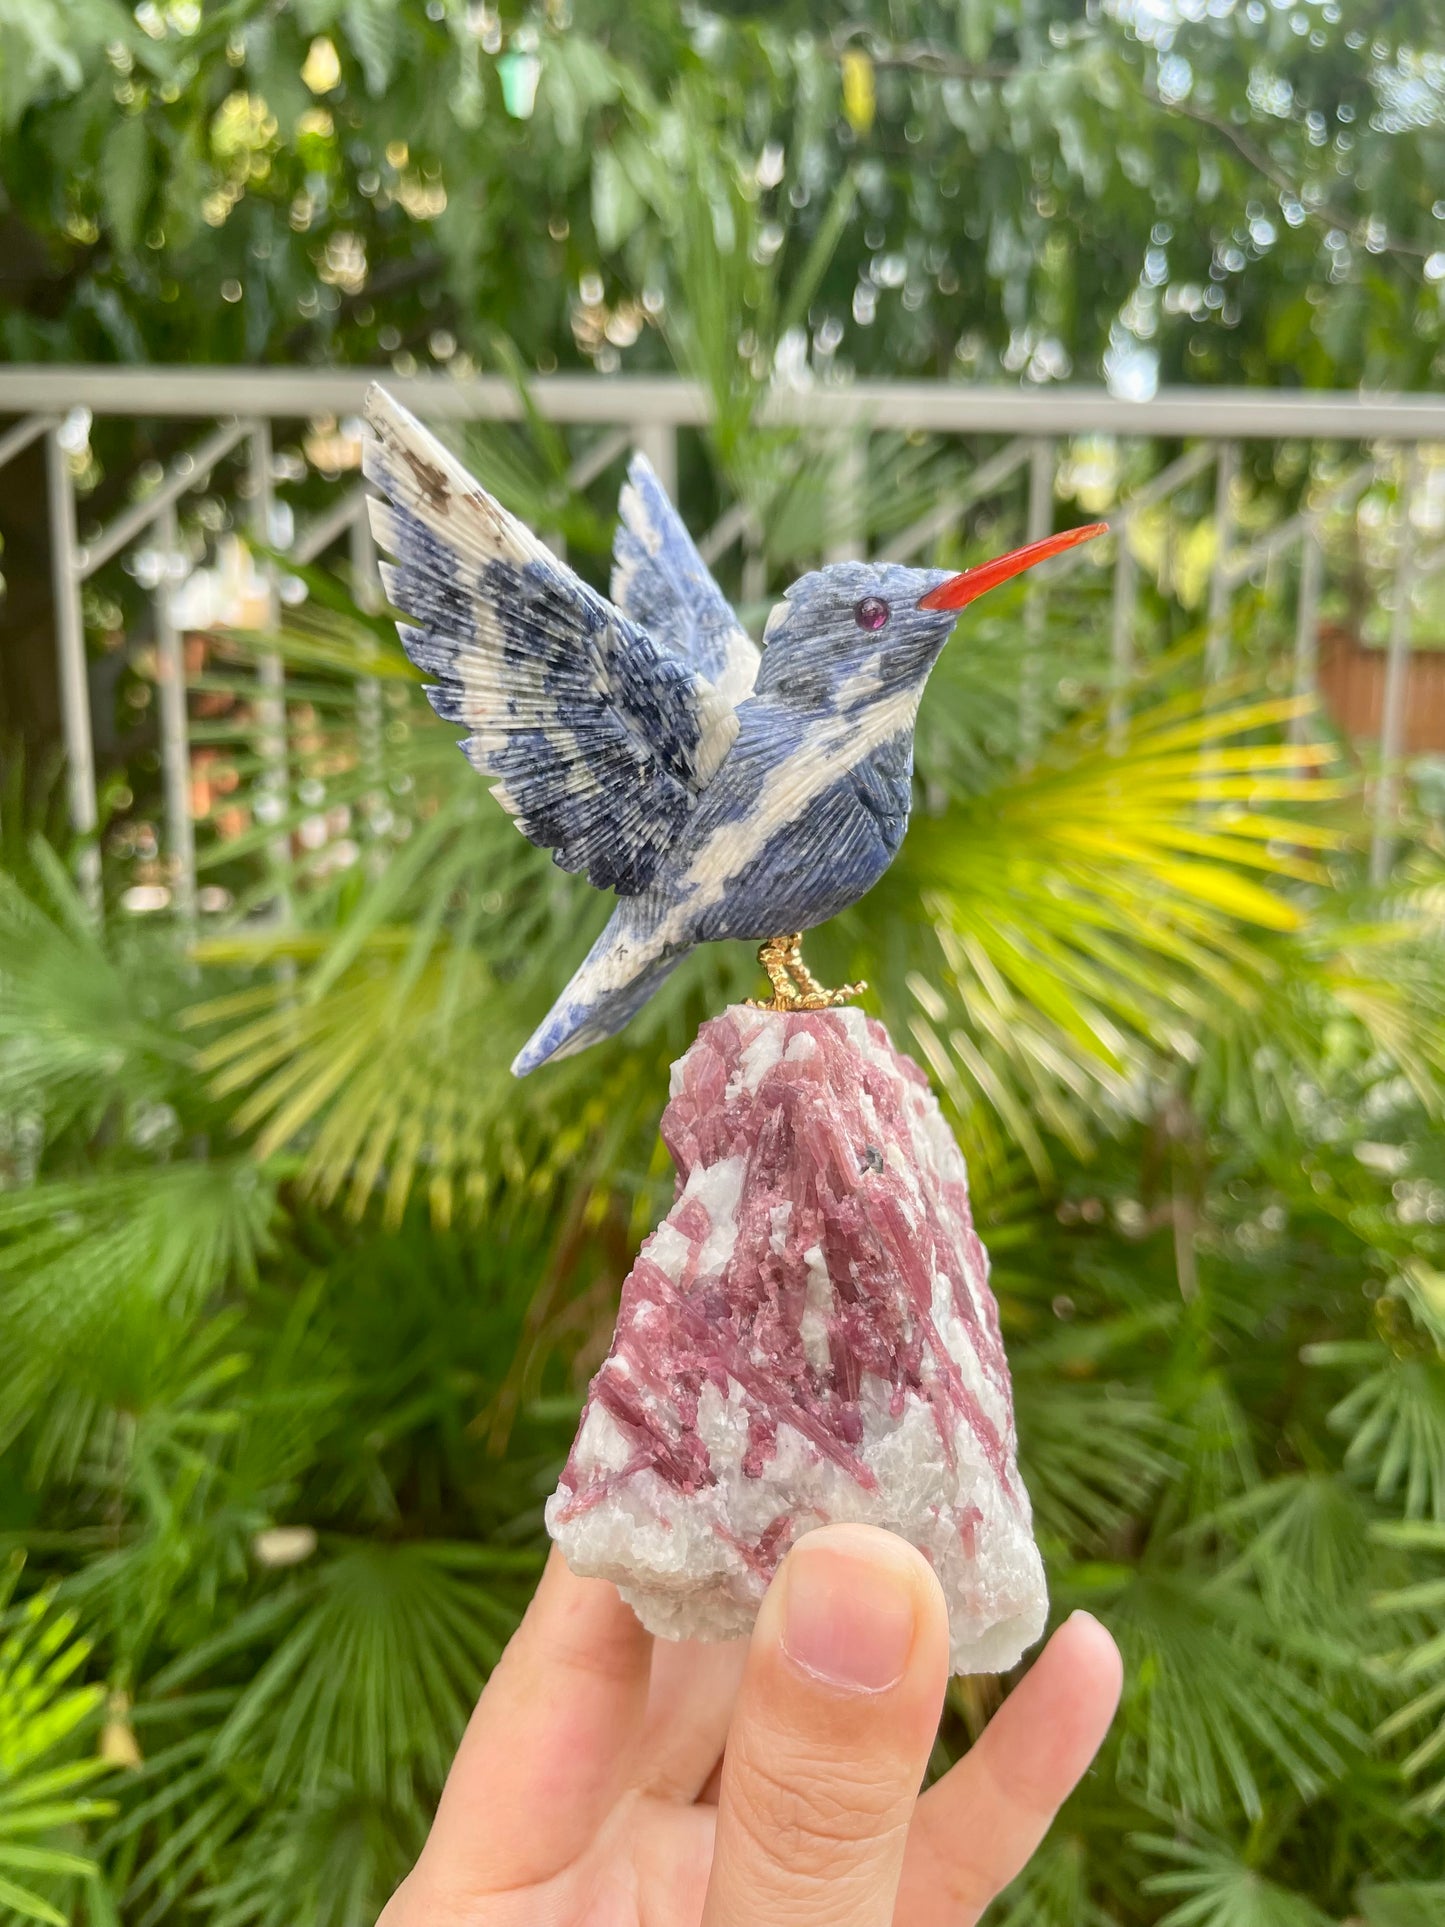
(661, 582)
(643, 740)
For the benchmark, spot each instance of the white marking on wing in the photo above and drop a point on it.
(835, 748)
(741, 662)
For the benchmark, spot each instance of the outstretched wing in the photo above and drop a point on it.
(599, 736)
(660, 580)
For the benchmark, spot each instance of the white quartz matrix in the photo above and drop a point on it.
(808, 1336)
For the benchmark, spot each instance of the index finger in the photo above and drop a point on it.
(550, 1745)
(978, 1827)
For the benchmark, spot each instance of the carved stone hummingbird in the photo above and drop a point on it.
(721, 791)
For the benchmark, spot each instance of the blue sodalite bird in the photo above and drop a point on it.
(721, 791)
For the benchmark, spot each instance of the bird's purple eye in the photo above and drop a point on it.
(871, 612)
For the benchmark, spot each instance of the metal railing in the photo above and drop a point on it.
(1388, 433)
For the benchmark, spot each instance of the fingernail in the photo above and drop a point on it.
(847, 1620)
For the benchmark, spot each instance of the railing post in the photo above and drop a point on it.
(1041, 489)
(1126, 589)
(366, 586)
(65, 567)
(17, 439)
(270, 671)
(361, 553)
(658, 442)
(1307, 623)
(603, 453)
(1397, 676)
(844, 540)
(175, 732)
(1216, 647)
(1040, 523)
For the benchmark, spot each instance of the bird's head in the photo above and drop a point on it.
(878, 626)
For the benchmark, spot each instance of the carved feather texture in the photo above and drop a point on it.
(663, 584)
(601, 736)
(722, 794)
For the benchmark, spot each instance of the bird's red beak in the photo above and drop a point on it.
(960, 590)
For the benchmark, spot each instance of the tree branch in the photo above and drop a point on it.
(1322, 212)
(920, 57)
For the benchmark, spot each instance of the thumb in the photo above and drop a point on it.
(834, 1723)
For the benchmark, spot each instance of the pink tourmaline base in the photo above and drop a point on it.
(808, 1336)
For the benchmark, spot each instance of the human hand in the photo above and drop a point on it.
(605, 1781)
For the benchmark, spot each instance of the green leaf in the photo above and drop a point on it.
(372, 28)
(380, 1662)
(1403, 1903)
(1220, 1889)
(1395, 1423)
(821, 250)
(41, 1712)
(125, 180)
(30, 1906)
(1090, 910)
(617, 207)
(38, 51)
(1213, 1689)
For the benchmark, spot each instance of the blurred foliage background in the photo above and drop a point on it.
(298, 1290)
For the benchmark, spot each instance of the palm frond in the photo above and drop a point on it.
(181, 1821)
(43, 1711)
(1213, 1450)
(1091, 1455)
(324, 1860)
(1394, 1420)
(1218, 1888)
(1093, 914)
(78, 1256)
(390, 1076)
(1402, 1903)
(1364, 980)
(1417, 1668)
(1214, 1690)
(82, 1025)
(1054, 1890)
(378, 1655)
(1304, 1541)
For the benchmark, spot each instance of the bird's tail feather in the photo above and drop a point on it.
(589, 1010)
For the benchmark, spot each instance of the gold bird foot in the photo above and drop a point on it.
(794, 985)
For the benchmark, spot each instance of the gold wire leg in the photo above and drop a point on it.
(773, 956)
(794, 985)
